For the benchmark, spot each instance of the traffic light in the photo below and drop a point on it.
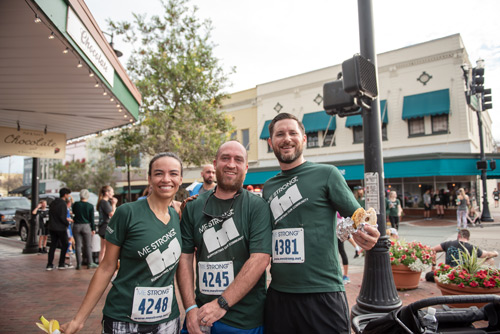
(486, 100)
(358, 87)
(493, 164)
(477, 81)
(337, 101)
(482, 165)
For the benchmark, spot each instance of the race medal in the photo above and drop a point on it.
(152, 304)
(215, 277)
(288, 245)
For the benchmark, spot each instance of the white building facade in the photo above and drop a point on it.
(430, 134)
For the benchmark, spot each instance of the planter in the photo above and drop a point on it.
(453, 289)
(404, 277)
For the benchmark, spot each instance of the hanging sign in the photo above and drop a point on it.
(82, 37)
(32, 143)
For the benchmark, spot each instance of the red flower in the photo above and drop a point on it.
(461, 285)
(473, 284)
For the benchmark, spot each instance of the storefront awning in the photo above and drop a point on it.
(318, 121)
(357, 120)
(259, 177)
(265, 130)
(398, 169)
(59, 74)
(426, 104)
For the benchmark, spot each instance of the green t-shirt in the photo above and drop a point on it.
(304, 202)
(224, 234)
(143, 290)
(391, 207)
(84, 213)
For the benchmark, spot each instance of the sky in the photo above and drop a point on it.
(267, 40)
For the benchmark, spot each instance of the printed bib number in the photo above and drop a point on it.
(288, 245)
(152, 304)
(215, 277)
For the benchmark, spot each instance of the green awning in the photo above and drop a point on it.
(265, 130)
(357, 120)
(318, 121)
(259, 177)
(124, 190)
(426, 104)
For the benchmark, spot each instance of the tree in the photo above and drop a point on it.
(78, 175)
(180, 80)
(125, 145)
(75, 174)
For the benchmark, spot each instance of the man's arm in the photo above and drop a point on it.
(487, 254)
(246, 279)
(366, 240)
(185, 280)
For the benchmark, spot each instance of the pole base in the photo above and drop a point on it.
(30, 250)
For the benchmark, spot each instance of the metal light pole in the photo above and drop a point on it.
(31, 245)
(477, 89)
(378, 293)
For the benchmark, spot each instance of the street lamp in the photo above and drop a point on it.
(117, 52)
(478, 99)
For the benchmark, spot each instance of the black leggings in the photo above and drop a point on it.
(343, 255)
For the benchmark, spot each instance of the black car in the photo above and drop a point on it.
(8, 208)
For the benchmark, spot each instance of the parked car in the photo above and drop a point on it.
(8, 207)
(22, 216)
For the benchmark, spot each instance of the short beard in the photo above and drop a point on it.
(228, 187)
(289, 158)
(208, 181)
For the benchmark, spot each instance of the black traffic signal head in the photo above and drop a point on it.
(359, 77)
(337, 101)
(482, 165)
(477, 80)
(486, 100)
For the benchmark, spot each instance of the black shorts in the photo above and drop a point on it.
(102, 230)
(289, 313)
(43, 229)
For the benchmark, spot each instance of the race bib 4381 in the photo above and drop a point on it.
(288, 245)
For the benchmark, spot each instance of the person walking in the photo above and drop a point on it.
(229, 229)
(83, 229)
(393, 209)
(306, 294)
(462, 203)
(496, 196)
(439, 200)
(58, 228)
(427, 204)
(146, 237)
(106, 205)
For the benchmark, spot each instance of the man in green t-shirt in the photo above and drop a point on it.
(229, 228)
(306, 294)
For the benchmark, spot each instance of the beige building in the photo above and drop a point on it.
(430, 134)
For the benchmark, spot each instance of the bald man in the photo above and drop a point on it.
(208, 175)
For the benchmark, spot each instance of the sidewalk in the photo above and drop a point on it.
(28, 291)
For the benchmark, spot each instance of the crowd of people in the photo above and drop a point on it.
(217, 245)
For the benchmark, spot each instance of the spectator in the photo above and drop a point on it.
(427, 204)
(58, 226)
(83, 229)
(106, 205)
(41, 215)
(463, 203)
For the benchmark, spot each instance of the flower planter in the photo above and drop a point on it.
(454, 289)
(404, 277)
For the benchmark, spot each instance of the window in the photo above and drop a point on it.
(328, 137)
(312, 140)
(384, 131)
(357, 133)
(416, 126)
(120, 160)
(439, 124)
(233, 135)
(245, 134)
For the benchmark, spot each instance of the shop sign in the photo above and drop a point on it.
(32, 143)
(87, 43)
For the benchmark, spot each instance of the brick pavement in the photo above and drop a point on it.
(28, 291)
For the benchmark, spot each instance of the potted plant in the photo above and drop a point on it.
(470, 276)
(408, 260)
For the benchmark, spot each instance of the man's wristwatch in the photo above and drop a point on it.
(223, 303)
